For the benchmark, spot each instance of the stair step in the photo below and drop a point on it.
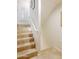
(23, 25)
(24, 35)
(23, 57)
(23, 30)
(27, 54)
(20, 33)
(25, 40)
(26, 46)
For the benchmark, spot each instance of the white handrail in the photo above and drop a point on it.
(34, 27)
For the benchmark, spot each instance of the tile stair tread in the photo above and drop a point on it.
(26, 52)
(27, 35)
(24, 37)
(26, 44)
(23, 41)
(20, 32)
(23, 28)
(27, 38)
(19, 25)
(24, 33)
(19, 29)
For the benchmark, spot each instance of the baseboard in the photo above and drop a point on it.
(48, 50)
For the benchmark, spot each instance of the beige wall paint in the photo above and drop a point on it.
(51, 30)
(47, 6)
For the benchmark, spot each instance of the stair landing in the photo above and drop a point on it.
(48, 54)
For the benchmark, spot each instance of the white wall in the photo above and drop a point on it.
(51, 30)
(47, 6)
(23, 10)
(47, 22)
(23, 7)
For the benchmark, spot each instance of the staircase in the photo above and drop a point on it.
(25, 42)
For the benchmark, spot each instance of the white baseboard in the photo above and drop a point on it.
(54, 49)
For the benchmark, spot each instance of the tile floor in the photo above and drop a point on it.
(49, 54)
